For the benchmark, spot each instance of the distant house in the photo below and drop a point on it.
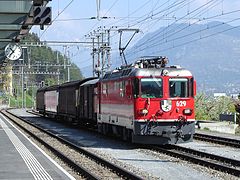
(219, 94)
(234, 96)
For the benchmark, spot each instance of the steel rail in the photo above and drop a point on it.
(78, 168)
(123, 173)
(217, 139)
(216, 162)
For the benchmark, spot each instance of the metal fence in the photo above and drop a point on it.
(232, 117)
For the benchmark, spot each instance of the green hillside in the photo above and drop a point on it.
(41, 56)
(41, 65)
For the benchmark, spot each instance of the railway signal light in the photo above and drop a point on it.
(42, 84)
(42, 15)
(25, 87)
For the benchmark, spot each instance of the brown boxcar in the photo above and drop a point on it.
(40, 104)
(51, 100)
(68, 98)
(87, 98)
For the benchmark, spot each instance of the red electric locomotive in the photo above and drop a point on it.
(147, 102)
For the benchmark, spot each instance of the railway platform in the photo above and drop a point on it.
(22, 159)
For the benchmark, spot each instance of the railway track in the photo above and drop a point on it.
(217, 139)
(219, 163)
(102, 166)
(231, 166)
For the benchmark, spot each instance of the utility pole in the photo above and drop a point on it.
(58, 80)
(108, 51)
(28, 56)
(68, 66)
(22, 85)
(98, 56)
(98, 8)
(18, 106)
(25, 93)
(93, 56)
(101, 37)
(64, 58)
(103, 57)
(22, 80)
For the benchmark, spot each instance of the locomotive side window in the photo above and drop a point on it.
(178, 87)
(104, 89)
(191, 87)
(122, 88)
(151, 88)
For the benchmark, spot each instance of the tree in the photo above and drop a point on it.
(46, 55)
(209, 108)
(39, 58)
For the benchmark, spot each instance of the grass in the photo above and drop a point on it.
(206, 129)
(17, 102)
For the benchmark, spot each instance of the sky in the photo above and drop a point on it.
(74, 20)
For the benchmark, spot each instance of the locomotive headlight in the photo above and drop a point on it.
(187, 111)
(165, 72)
(144, 111)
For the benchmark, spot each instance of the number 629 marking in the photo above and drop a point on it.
(181, 103)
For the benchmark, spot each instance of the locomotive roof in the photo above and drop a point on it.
(167, 71)
(147, 66)
(171, 71)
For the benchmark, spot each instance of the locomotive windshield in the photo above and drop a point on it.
(151, 88)
(178, 87)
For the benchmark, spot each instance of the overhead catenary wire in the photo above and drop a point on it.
(161, 41)
(161, 11)
(195, 10)
(59, 13)
(177, 20)
(174, 45)
(172, 5)
(200, 38)
(165, 39)
(204, 19)
(176, 8)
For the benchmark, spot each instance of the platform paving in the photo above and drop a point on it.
(20, 158)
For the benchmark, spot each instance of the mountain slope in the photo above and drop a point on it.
(213, 54)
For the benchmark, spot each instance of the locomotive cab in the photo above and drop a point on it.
(164, 105)
(166, 94)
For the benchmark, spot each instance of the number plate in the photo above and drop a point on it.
(181, 103)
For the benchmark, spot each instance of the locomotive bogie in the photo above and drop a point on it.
(163, 132)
